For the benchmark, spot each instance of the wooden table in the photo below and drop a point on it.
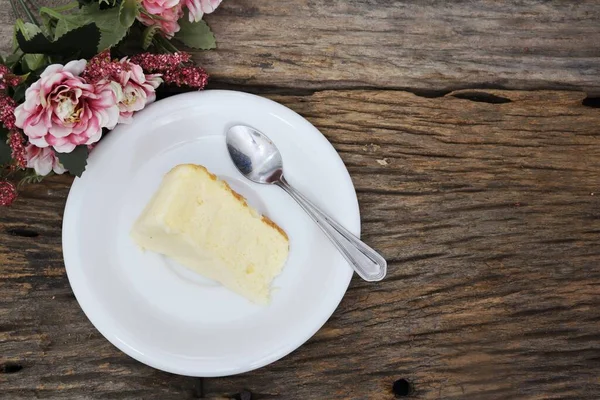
(485, 202)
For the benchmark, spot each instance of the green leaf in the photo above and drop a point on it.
(66, 7)
(19, 94)
(74, 161)
(195, 34)
(14, 58)
(24, 77)
(28, 30)
(65, 22)
(129, 11)
(107, 21)
(111, 30)
(148, 35)
(65, 25)
(31, 62)
(5, 152)
(69, 44)
(32, 177)
(50, 13)
(34, 61)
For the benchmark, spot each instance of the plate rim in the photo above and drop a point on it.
(75, 273)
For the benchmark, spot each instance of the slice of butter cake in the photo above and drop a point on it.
(199, 221)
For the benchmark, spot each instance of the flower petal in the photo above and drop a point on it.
(36, 131)
(76, 67)
(60, 131)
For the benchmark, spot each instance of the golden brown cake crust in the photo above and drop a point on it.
(268, 221)
(240, 198)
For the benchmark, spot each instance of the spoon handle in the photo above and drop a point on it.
(367, 263)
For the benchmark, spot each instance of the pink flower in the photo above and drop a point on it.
(157, 7)
(137, 89)
(7, 78)
(166, 18)
(7, 111)
(43, 160)
(133, 88)
(176, 68)
(16, 142)
(62, 110)
(198, 8)
(8, 193)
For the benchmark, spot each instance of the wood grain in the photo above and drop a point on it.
(486, 205)
(426, 45)
(421, 45)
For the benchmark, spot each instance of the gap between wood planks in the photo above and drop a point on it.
(478, 94)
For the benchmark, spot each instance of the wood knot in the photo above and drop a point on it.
(402, 388)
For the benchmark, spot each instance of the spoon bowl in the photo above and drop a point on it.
(254, 155)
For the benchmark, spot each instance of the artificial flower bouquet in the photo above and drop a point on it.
(78, 70)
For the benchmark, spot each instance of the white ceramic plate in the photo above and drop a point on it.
(170, 318)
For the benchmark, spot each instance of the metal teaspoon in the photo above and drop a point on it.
(259, 160)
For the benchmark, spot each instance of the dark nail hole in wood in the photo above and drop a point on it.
(402, 388)
(10, 368)
(482, 97)
(244, 395)
(593, 102)
(23, 233)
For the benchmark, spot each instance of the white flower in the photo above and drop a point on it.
(43, 160)
(198, 8)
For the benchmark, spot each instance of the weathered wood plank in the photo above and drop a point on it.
(45, 339)
(490, 217)
(428, 45)
(418, 45)
(489, 214)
